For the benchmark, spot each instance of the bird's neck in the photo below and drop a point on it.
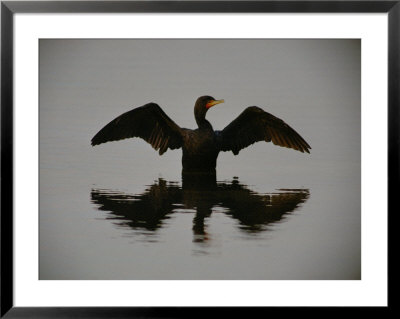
(202, 123)
(200, 116)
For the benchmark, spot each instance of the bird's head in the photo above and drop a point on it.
(203, 104)
(207, 102)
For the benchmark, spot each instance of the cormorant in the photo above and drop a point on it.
(201, 146)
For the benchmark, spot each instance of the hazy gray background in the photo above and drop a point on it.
(314, 85)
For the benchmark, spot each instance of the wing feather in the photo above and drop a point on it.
(148, 122)
(254, 125)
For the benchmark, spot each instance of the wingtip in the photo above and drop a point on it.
(93, 143)
(96, 140)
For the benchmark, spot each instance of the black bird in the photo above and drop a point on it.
(201, 146)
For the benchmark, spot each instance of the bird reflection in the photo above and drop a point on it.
(199, 194)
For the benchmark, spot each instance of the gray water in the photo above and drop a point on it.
(121, 211)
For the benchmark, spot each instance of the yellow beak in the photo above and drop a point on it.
(212, 103)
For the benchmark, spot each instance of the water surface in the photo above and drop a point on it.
(121, 211)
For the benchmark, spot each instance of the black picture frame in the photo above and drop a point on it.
(9, 8)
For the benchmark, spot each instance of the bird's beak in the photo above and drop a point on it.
(212, 103)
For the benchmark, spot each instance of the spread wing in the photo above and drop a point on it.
(254, 125)
(148, 122)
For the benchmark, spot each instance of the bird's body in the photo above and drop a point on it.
(199, 150)
(200, 147)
